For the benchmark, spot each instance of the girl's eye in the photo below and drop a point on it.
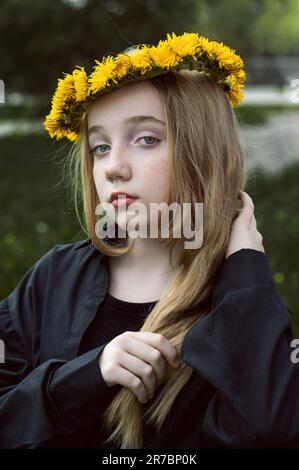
(97, 147)
(95, 152)
(150, 137)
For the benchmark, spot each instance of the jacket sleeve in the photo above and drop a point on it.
(42, 401)
(243, 349)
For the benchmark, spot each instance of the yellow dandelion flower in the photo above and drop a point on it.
(240, 75)
(187, 44)
(55, 113)
(51, 125)
(61, 133)
(236, 94)
(65, 90)
(225, 60)
(61, 102)
(103, 72)
(73, 136)
(81, 84)
(122, 65)
(63, 96)
(55, 130)
(141, 59)
(164, 56)
(231, 80)
(228, 59)
(209, 47)
(203, 42)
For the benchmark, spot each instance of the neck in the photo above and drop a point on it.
(142, 274)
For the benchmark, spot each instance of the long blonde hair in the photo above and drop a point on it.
(206, 164)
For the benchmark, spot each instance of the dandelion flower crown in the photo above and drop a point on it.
(77, 91)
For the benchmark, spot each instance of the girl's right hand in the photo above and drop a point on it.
(136, 359)
(244, 233)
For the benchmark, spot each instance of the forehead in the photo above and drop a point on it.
(139, 98)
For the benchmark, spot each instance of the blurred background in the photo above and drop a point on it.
(40, 40)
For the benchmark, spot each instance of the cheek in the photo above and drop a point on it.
(155, 176)
(97, 178)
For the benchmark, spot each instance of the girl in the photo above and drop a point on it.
(123, 342)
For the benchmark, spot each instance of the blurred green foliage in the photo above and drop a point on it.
(24, 111)
(35, 211)
(61, 34)
(41, 40)
(252, 27)
(36, 214)
(259, 115)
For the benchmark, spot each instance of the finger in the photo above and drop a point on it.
(246, 199)
(135, 384)
(142, 369)
(236, 214)
(148, 354)
(247, 206)
(159, 342)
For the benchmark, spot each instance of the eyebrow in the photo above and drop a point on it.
(131, 120)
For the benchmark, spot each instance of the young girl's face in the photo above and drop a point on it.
(127, 136)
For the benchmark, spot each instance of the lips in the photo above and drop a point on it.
(123, 200)
(121, 195)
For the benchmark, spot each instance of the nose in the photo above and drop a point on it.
(117, 164)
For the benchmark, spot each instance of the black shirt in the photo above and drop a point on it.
(243, 391)
(113, 317)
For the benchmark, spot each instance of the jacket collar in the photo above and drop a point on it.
(83, 243)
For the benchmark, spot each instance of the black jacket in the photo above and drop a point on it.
(244, 391)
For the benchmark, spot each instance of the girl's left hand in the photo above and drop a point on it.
(244, 233)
